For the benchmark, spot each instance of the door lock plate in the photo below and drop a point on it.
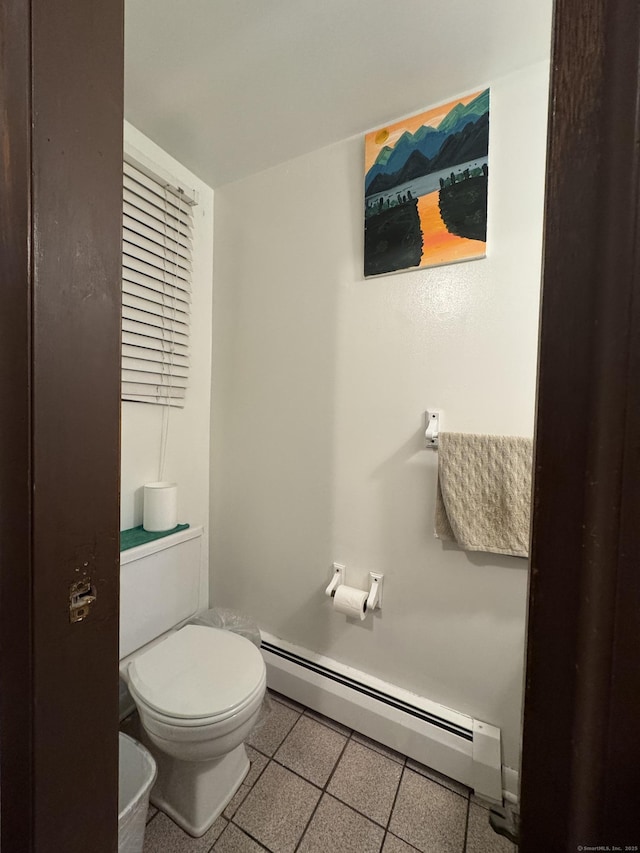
(82, 594)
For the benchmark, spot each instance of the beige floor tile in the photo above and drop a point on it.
(335, 828)
(396, 845)
(236, 800)
(367, 781)
(278, 808)
(234, 840)
(284, 700)
(429, 816)
(327, 721)
(131, 725)
(379, 747)
(440, 778)
(311, 750)
(164, 836)
(481, 838)
(258, 763)
(279, 723)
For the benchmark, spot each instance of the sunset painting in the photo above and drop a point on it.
(426, 188)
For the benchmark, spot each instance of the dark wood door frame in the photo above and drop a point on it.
(581, 749)
(61, 94)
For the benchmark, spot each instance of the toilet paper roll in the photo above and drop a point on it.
(350, 601)
(160, 511)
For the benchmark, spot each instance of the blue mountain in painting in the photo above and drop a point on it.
(463, 145)
(472, 142)
(427, 140)
(460, 115)
(376, 170)
(383, 156)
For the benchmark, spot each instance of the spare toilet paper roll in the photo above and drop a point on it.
(350, 601)
(160, 511)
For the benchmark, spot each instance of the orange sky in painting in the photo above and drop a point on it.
(433, 117)
(439, 245)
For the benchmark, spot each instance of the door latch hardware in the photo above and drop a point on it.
(82, 594)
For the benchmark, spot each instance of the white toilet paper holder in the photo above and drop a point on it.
(375, 591)
(374, 599)
(337, 579)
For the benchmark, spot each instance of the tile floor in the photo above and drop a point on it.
(317, 787)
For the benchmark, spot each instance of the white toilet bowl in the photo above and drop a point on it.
(198, 694)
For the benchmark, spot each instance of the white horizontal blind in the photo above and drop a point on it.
(157, 236)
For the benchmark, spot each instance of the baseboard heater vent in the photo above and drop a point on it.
(365, 690)
(451, 743)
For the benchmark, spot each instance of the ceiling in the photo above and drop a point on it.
(232, 87)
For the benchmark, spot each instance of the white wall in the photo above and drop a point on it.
(187, 454)
(320, 384)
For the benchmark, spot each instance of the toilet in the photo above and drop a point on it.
(198, 690)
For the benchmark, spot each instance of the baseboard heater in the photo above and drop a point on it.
(451, 743)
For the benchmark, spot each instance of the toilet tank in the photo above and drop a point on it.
(160, 586)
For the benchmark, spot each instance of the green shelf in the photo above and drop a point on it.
(139, 536)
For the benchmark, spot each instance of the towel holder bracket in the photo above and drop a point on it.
(433, 427)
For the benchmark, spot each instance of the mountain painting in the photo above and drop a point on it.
(426, 188)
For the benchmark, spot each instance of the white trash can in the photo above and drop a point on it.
(136, 774)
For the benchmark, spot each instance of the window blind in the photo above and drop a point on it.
(157, 238)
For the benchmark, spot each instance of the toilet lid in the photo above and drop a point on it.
(198, 672)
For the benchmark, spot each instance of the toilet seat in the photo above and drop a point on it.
(198, 676)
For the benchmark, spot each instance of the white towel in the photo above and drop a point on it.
(484, 492)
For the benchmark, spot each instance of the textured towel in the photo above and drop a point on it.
(484, 492)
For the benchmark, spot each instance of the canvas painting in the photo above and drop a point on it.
(426, 188)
